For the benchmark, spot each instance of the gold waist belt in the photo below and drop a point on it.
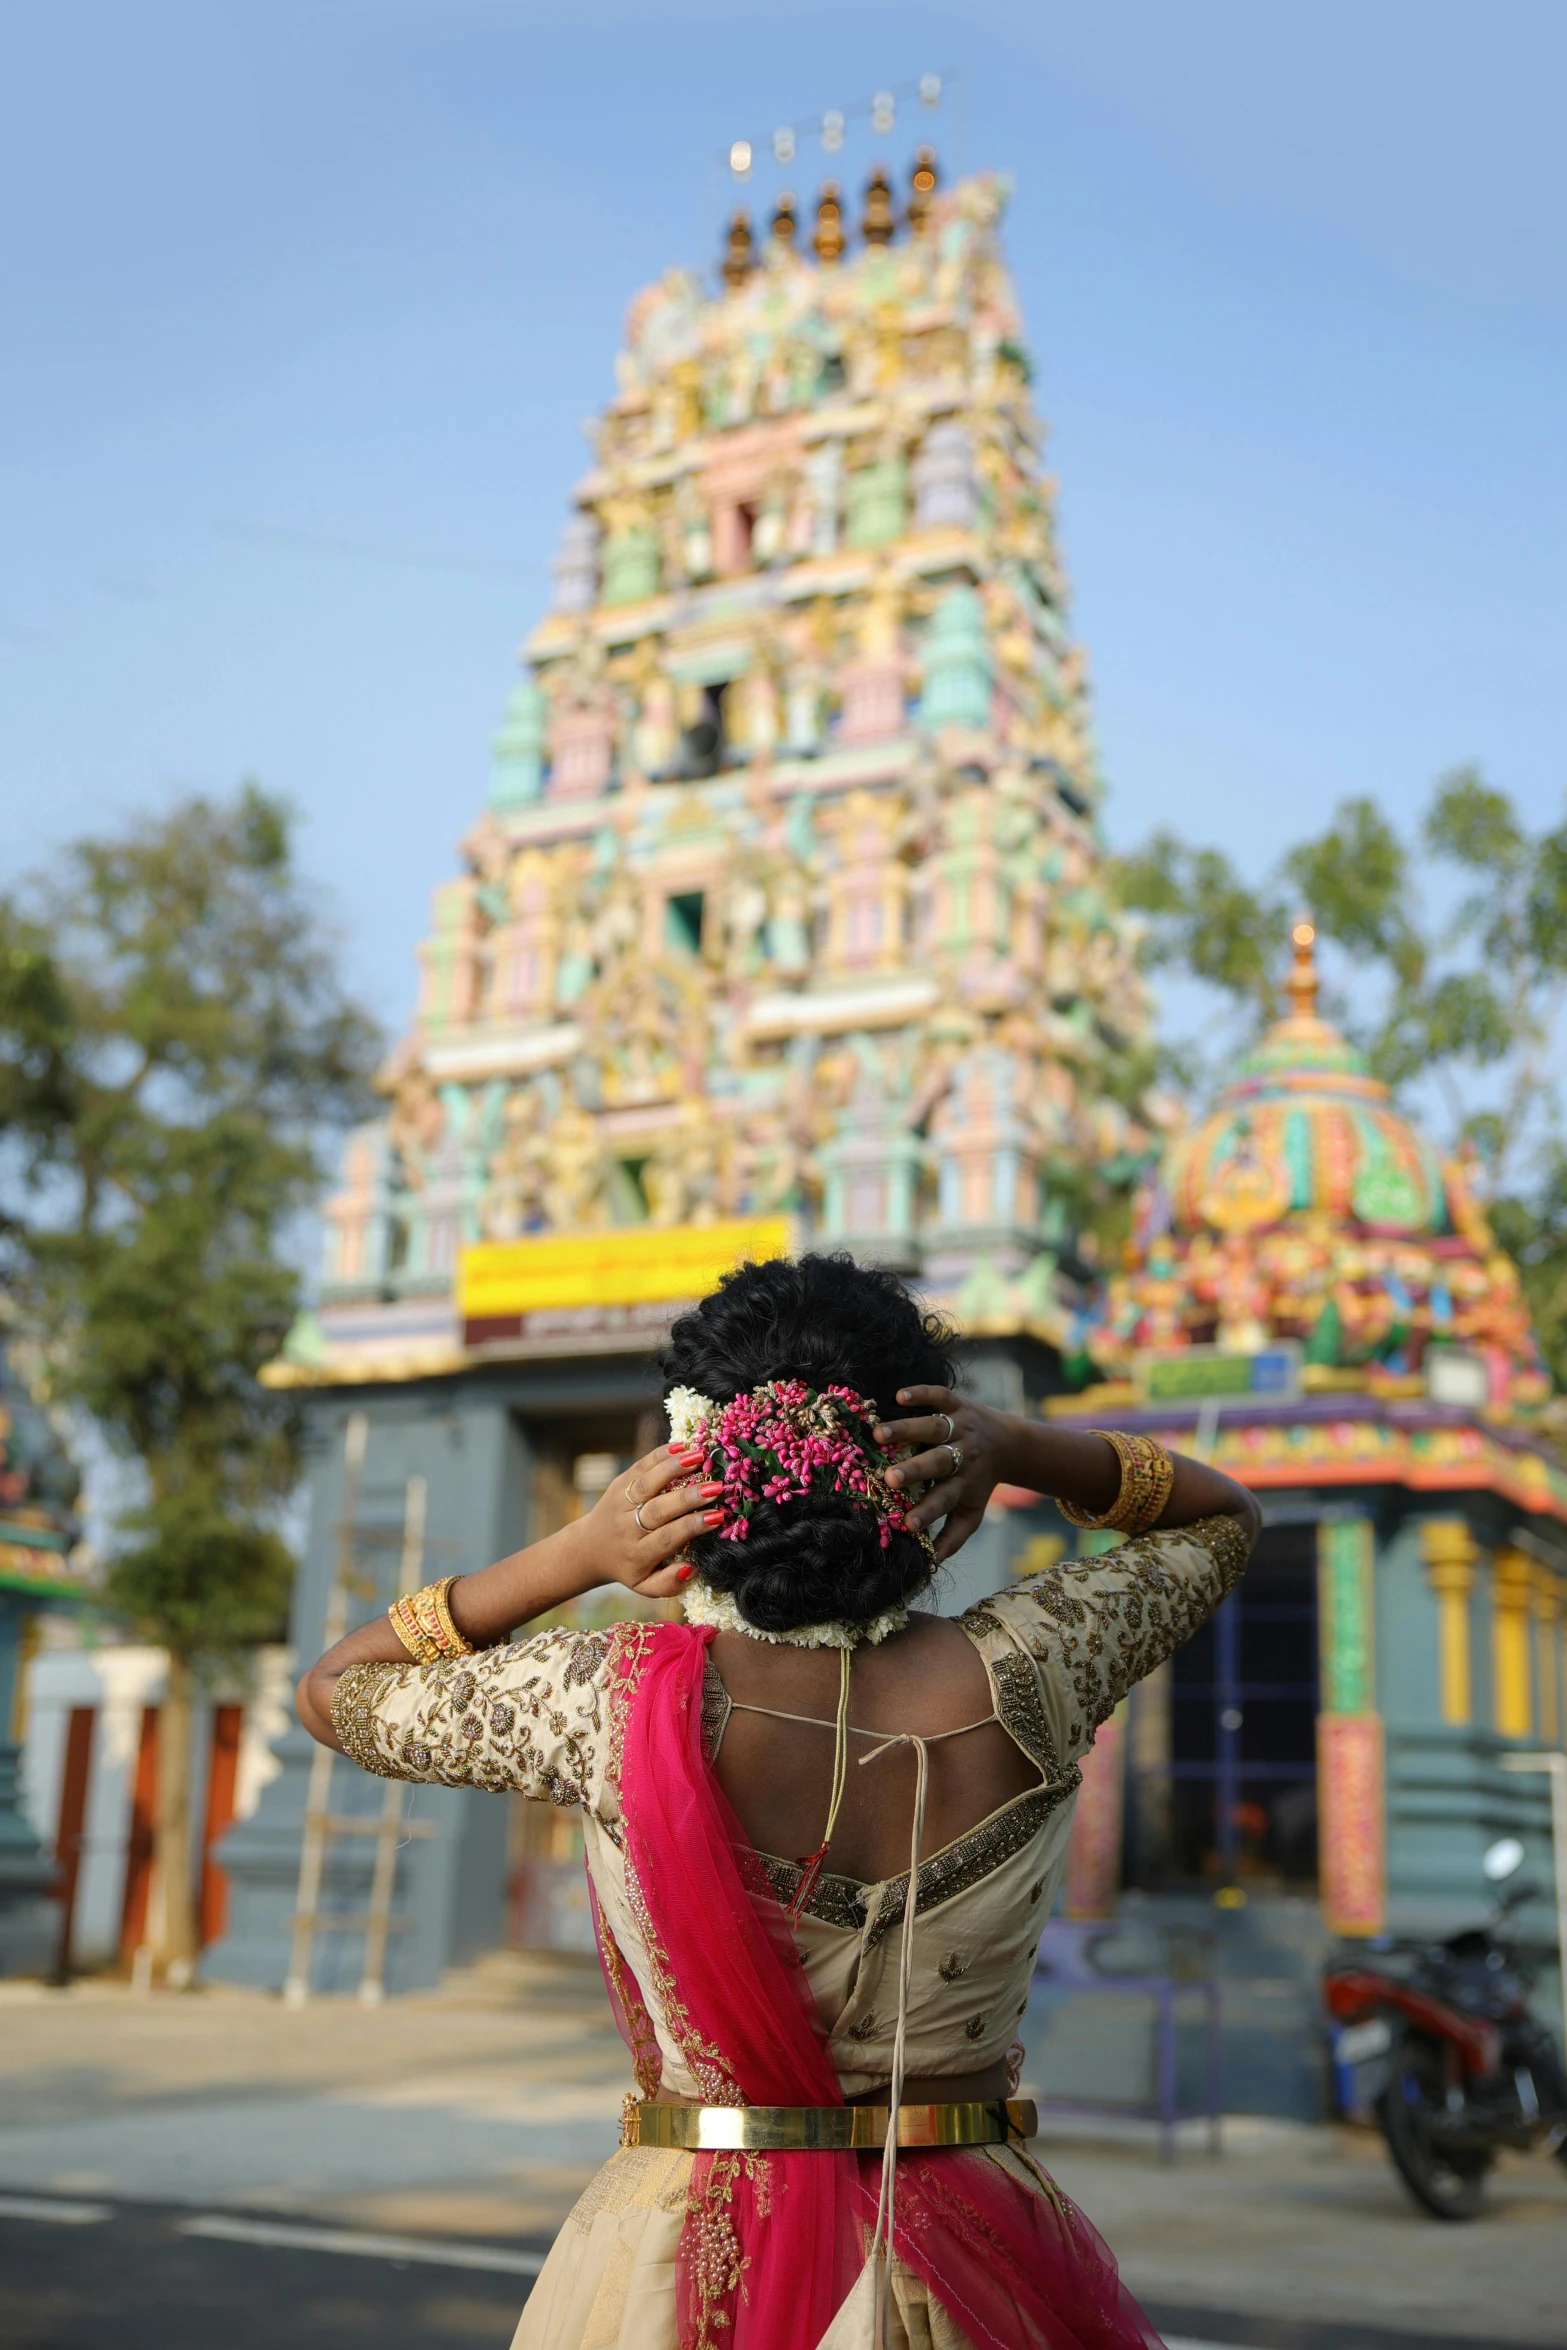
(792, 2129)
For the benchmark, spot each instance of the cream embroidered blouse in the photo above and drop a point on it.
(1060, 1650)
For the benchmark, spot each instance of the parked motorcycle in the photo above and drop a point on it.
(1447, 2057)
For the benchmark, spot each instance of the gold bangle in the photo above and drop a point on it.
(454, 1642)
(404, 1620)
(423, 1623)
(1147, 1475)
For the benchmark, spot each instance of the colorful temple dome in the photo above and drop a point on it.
(1306, 1207)
(1304, 1128)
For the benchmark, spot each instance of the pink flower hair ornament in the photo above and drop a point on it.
(785, 1441)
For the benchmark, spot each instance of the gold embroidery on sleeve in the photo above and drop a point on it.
(1105, 1622)
(354, 1701)
(527, 1716)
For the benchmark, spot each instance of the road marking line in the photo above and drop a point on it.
(292, 2239)
(64, 2215)
(1191, 2342)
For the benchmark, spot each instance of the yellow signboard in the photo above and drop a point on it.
(618, 1267)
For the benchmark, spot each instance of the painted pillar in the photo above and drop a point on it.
(27, 1915)
(1093, 1860)
(1351, 1797)
(1450, 1551)
(1512, 1604)
(1093, 1856)
(1547, 1655)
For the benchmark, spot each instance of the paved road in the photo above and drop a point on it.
(76, 2275)
(477, 2116)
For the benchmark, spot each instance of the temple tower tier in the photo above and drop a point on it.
(783, 925)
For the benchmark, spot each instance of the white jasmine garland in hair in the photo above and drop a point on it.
(704, 1605)
(687, 1411)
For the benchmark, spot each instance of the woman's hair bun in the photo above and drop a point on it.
(815, 1562)
(823, 1319)
(832, 1323)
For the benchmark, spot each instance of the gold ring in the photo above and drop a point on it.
(956, 1451)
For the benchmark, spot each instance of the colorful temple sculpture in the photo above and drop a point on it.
(1305, 1208)
(786, 901)
(38, 1575)
(785, 924)
(1312, 1298)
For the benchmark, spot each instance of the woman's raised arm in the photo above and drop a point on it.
(998, 1448)
(612, 1544)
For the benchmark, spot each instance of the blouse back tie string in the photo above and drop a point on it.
(880, 2248)
(812, 1866)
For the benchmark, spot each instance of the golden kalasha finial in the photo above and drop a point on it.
(785, 225)
(740, 253)
(1303, 981)
(880, 222)
(924, 180)
(829, 240)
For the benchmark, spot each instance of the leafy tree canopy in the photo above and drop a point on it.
(175, 1048)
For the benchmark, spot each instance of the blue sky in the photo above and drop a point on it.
(302, 304)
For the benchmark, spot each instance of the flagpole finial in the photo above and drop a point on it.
(923, 183)
(739, 253)
(1303, 981)
(829, 240)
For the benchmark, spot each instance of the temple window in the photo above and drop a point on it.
(627, 1197)
(704, 740)
(734, 522)
(683, 921)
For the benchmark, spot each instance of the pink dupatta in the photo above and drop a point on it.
(773, 2245)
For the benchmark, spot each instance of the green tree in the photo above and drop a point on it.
(1449, 970)
(175, 1048)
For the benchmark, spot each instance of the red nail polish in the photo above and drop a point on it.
(712, 1517)
(678, 1452)
(684, 1574)
(710, 1491)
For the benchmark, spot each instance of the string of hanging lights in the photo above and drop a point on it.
(830, 128)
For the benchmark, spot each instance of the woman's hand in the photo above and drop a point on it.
(959, 1458)
(645, 1553)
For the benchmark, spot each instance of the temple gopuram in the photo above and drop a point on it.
(782, 925)
(785, 924)
(785, 906)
